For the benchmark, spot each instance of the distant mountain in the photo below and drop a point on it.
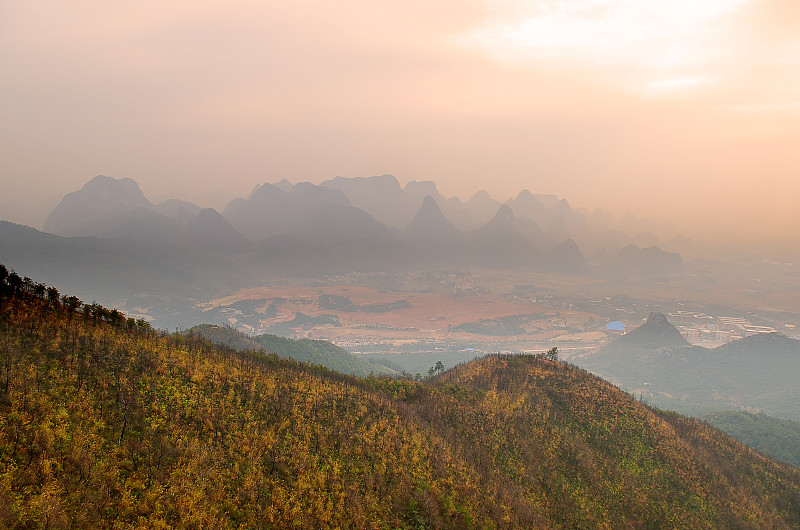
(281, 209)
(271, 211)
(354, 239)
(758, 373)
(212, 232)
(176, 208)
(565, 258)
(430, 223)
(525, 204)
(498, 244)
(82, 212)
(384, 198)
(656, 333)
(94, 267)
(433, 240)
(651, 261)
(534, 233)
(476, 212)
(114, 208)
(303, 229)
(380, 196)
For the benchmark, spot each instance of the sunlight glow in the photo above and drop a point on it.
(667, 38)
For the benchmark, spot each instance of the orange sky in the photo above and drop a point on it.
(684, 110)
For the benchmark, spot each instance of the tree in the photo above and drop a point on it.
(53, 295)
(552, 354)
(439, 367)
(72, 303)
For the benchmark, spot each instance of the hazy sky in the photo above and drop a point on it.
(670, 109)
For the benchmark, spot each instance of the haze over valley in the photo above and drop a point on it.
(468, 264)
(384, 269)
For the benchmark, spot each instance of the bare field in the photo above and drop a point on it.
(433, 315)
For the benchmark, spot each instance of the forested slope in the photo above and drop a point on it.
(319, 352)
(105, 422)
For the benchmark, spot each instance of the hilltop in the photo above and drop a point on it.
(108, 422)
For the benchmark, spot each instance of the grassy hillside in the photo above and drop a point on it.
(320, 352)
(225, 337)
(773, 436)
(304, 350)
(105, 422)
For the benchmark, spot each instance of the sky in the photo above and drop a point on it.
(684, 110)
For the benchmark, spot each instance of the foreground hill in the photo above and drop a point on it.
(761, 372)
(106, 422)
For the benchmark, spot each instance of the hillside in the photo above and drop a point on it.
(225, 337)
(773, 436)
(756, 373)
(317, 352)
(108, 423)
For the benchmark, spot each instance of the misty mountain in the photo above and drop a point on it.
(498, 244)
(655, 334)
(82, 212)
(758, 373)
(212, 232)
(534, 233)
(383, 198)
(354, 239)
(298, 230)
(433, 240)
(109, 207)
(270, 211)
(480, 209)
(651, 261)
(93, 267)
(525, 204)
(176, 208)
(565, 258)
(430, 223)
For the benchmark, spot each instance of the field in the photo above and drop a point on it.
(367, 318)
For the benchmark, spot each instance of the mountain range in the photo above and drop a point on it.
(359, 224)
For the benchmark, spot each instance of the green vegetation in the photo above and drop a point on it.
(225, 336)
(317, 352)
(773, 436)
(306, 322)
(105, 422)
(320, 352)
(499, 327)
(343, 303)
